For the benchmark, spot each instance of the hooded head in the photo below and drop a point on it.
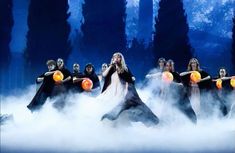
(89, 69)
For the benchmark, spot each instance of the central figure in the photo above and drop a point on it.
(119, 83)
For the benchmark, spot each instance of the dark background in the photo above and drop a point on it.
(33, 31)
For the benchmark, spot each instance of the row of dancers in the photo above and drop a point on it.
(220, 87)
(116, 80)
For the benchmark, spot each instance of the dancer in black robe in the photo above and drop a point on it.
(77, 79)
(226, 88)
(119, 81)
(197, 90)
(154, 75)
(45, 89)
(179, 93)
(66, 83)
(89, 72)
(158, 70)
(62, 87)
(224, 76)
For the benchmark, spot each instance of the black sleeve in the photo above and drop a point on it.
(128, 76)
(66, 73)
(130, 73)
(207, 84)
(80, 75)
(176, 77)
(41, 76)
(203, 74)
(107, 79)
(185, 79)
(226, 85)
(96, 81)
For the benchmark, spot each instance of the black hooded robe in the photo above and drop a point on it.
(205, 87)
(133, 105)
(77, 86)
(222, 94)
(93, 77)
(60, 90)
(43, 93)
(181, 97)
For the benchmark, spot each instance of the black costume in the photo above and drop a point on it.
(132, 104)
(43, 92)
(92, 76)
(223, 93)
(77, 86)
(205, 86)
(181, 97)
(226, 86)
(62, 89)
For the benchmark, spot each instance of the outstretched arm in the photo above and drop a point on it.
(49, 73)
(227, 78)
(40, 79)
(75, 79)
(67, 79)
(185, 73)
(155, 75)
(204, 79)
(224, 78)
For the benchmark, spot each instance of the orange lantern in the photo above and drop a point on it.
(219, 84)
(232, 82)
(87, 84)
(167, 77)
(195, 76)
(58, 76)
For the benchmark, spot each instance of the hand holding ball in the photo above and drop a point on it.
(167, 77)
(58, 76)
(195, 76)
(219, 84)
(87, 84)
(232, 82)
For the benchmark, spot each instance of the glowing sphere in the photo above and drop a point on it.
(58, 76)
(219, 84)
(195, 76)
(167, 77)
(87, 84)
(232, 82)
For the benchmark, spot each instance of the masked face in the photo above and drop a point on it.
(60, 63)
(104, 67)
(76, 67)
(51, 67)
(222, 73)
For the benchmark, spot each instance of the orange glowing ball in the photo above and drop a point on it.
(219, 84)
(58, 76)
(87, 84)
(167, 77)
(195, 76)
(232, 82)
